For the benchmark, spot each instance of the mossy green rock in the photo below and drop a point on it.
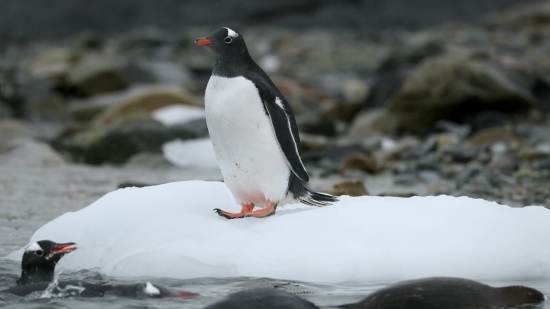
(52, 63)
(351, 188)
(95, 74)
(118, 142)
(455, 87)
(110, 108)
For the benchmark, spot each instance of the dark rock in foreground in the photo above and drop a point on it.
(265, 298)
(427, 293)
(449, 293)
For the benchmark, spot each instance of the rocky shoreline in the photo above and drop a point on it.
(26, 19)
(458, 109)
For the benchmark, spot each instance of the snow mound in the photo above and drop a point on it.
(195, 154)
(171, 231)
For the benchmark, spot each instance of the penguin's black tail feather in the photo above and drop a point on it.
(299, 191)
(317, 199)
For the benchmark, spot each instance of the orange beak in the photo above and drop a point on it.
(203, 41)
(65, 248)
(62, 248)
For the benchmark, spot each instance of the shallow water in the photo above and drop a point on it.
(210, 290)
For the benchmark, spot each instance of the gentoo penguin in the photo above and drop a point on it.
(38, 268)
(253, 131)
(39, 260)
(448, 293)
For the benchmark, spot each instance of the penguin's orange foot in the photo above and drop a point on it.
(247, 211)
(229, 215)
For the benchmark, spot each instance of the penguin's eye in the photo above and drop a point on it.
(39, 252)
(228, 40)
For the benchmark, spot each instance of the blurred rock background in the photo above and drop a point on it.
(392, 97)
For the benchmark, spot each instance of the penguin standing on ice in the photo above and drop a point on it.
(253, 131)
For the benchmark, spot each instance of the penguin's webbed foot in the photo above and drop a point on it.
(246, 208)
(247, 211)
(229, 215)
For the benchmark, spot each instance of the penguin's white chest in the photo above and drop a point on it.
(251, 161)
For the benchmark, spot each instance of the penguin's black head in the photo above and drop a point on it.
(224, 43)
(39, 260)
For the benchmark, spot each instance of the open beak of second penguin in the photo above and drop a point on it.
(62, 249)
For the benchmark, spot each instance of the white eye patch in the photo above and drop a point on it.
(231, 33)
(34, 247)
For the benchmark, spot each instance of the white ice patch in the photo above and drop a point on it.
(178, 114)
(279, 102)
(150, 289)
(387, 144)
(367, 239)
(231, 33)
(34, 247)
(197, 154)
